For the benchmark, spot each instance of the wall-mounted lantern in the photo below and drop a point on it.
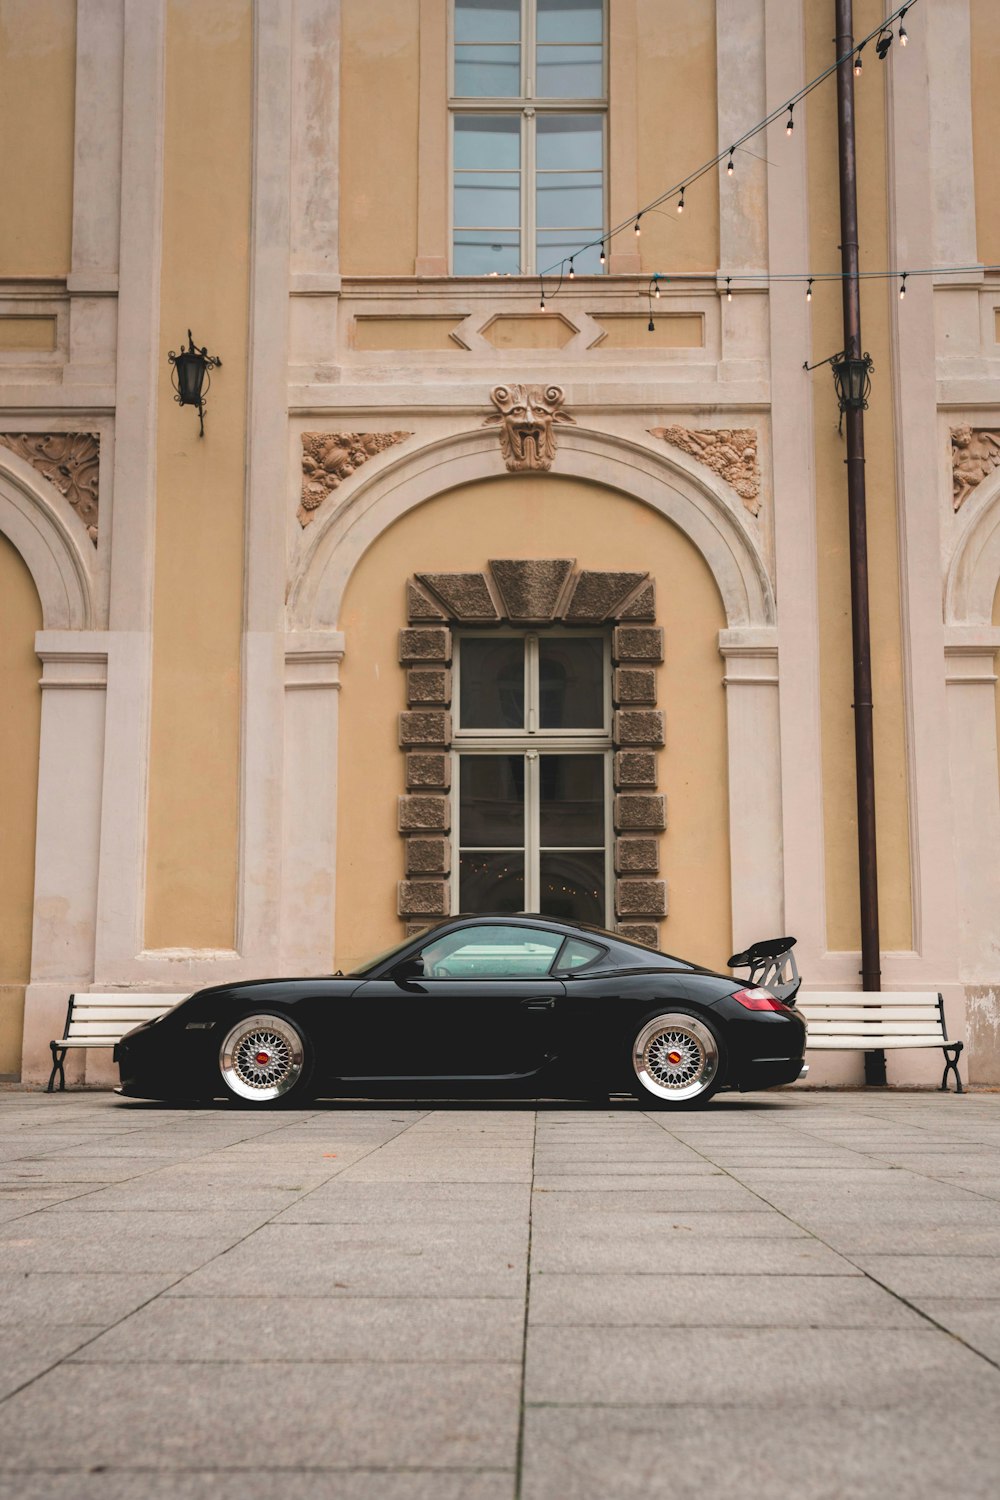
(191, 378)
(853, 379)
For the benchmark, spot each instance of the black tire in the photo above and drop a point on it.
(265, 1062)
(676, 1060)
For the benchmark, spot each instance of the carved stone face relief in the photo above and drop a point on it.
(975, 452)
(526, 415)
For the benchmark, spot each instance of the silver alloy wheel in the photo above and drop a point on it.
(262, 1058)
(675, 1057)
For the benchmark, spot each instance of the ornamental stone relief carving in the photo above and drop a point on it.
(730, 452)
(537, 591)
(70, 461)
(526, 416)
(975, 452)
(328, 458)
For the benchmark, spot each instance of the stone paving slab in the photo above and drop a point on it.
(789, 1294)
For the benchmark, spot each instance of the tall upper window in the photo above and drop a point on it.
(528, 118)
(533, 746)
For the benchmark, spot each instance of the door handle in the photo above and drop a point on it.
(538, 1004)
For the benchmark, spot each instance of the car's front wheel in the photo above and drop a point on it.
(677, 1061)
(266, 1060)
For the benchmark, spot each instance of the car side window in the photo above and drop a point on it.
(487, 952)
(576, 953)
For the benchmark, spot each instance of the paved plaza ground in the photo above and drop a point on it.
(784, 1295)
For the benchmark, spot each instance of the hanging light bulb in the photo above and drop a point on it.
(729, 164)
(729, 289)
(790, 122)
(572, 273)
(656, 291)
(680, 202)
(651, 326)
(858, 64)
(809, 290)
(903, 38)
(902, 285)
(603, 256)
(636, 226)
(541, 295)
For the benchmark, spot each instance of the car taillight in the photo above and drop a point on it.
(758, 999)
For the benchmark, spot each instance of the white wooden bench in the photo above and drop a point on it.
(875, 1021)
(102, 1020)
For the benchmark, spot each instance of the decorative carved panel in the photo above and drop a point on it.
(730, 452)
(526, 416)
(70, 461)
(975, 452)
(328, 458)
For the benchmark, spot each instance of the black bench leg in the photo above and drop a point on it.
(951, 1066)
(58, 1059)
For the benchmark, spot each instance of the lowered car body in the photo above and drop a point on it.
(508, 1005)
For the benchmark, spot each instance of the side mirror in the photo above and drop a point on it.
(408, 970)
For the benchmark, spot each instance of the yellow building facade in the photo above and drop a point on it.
(463, 602)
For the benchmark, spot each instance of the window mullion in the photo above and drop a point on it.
(532, 814)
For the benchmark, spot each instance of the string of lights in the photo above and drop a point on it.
(882, 36)
(808, 279)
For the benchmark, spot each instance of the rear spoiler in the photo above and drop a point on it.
(771, 964)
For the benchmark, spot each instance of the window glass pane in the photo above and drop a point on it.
(486, 252)
(490, 199)
(576, 953)
(491, 21)
(492, 683)
(492, 953)
(572, 886)
(572, 801)
(487, 142)
(570, 73)
(570, 143)
(491, 882)
(570, 20)
(569, 200)
(554, 245)
(571, 683)
(491, 808)
(487, 72)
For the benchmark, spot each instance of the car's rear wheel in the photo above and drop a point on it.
(677, 1061)
(265, 1060)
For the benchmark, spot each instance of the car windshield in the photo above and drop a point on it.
(387, 953)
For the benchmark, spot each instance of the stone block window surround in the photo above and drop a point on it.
(553, 738)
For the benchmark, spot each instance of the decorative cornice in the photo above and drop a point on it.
(68, 460)
(328, 458)
(730, 452)
(975, 452)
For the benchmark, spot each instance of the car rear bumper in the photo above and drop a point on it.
(770, 1073)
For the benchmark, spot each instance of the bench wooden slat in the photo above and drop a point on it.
(875, 1028)
(817, 1014)
(872, 1043)
(867, 997)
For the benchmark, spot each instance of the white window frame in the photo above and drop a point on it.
(533, 742)
(526, 107)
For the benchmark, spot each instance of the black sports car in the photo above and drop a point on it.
(515, 1005)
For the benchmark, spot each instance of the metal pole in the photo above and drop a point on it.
(860, 621)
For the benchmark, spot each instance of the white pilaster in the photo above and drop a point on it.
(945, 30)
(919, 510)
(972, 741)
(794, 478)
(74, 676)
(267, 458)
(740, 30)
(131, 521)
(312, 711)
(755, 842)
(315, 156)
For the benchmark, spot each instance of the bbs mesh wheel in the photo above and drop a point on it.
(676, 1061)
(265, 1060)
